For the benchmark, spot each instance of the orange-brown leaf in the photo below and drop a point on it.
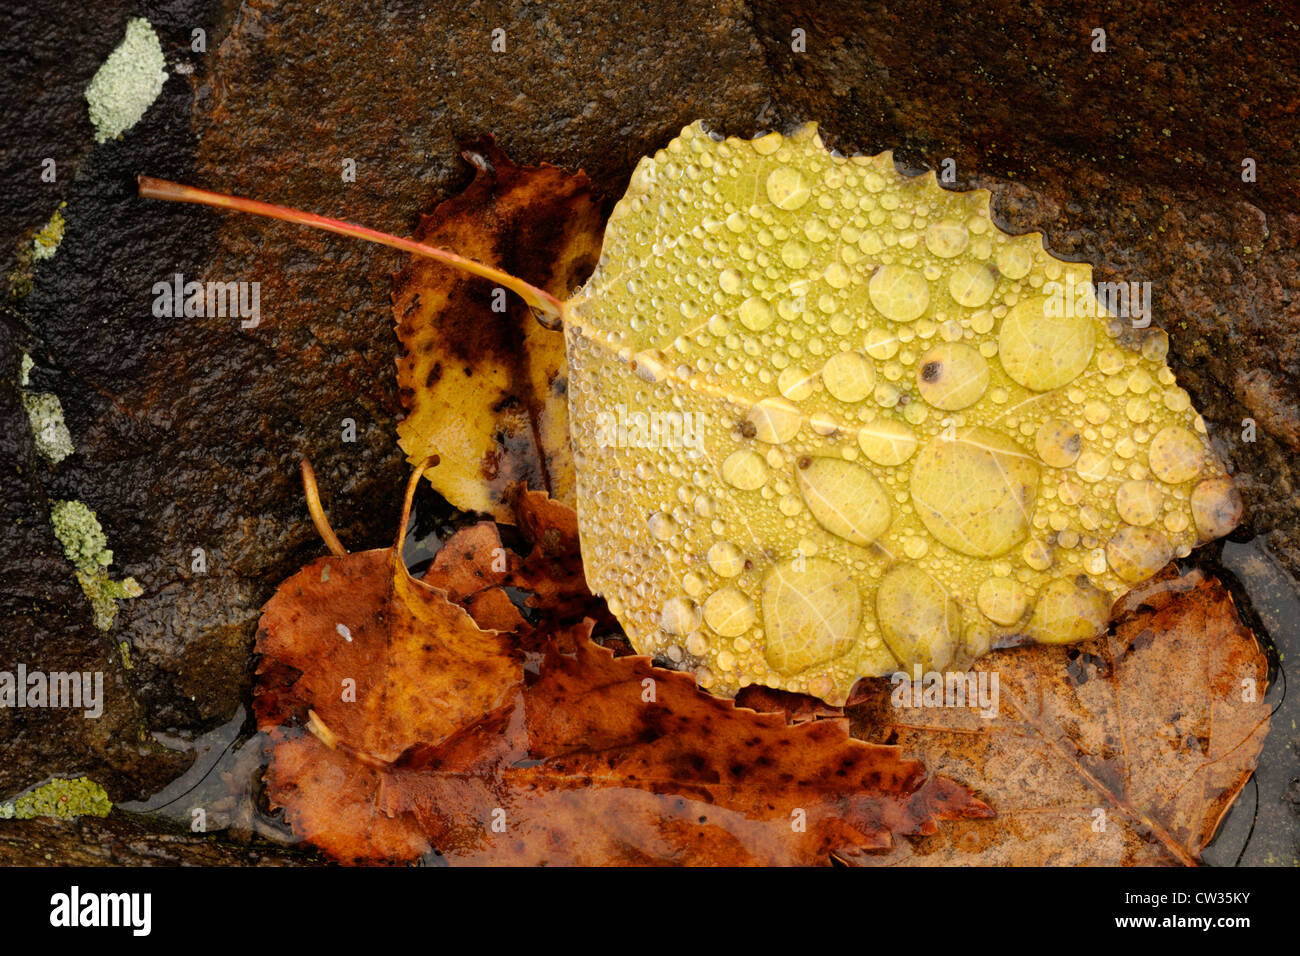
(609, 777)
(798, 708)
(319, 788)
(420, 667)
(593, 760)
(469, 569)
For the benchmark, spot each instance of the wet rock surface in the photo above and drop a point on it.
(48, 628)
(123, 840)
(188, 430)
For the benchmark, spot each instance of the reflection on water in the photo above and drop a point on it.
(1260, 829)
(219, 793)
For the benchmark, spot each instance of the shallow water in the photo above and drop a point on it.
(1261, 828)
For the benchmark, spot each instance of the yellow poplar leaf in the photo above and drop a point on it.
(831, 422)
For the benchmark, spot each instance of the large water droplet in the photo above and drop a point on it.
(1068, 609)
(1216, 507)
(729, 612)
(795, 254)
(662, 526)
(755, 314)
(811, 613)
(882, 344)
(849, 376)
(952, 376)
(679, 616)
(899, 293)
(1137, 553)
(1176, 455)
(975, 492)
(795, 383)
(744, 469)
(1138, 502)
(726, 559)
(775, 420)
(1002, 600)
(1041, 351)
(1014, 260)
(971, 284)
(729, 280)
(845, 499)
(887, 442)
(946, 238)
(1058, 443)
(920, 622)
(786, 188)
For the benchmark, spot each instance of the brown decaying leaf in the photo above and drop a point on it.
(420, 669)
(591, 760)
(797, 708)
(485, 389)
(1146, 730)
(470, 569)
(583, 770)
(474, 568)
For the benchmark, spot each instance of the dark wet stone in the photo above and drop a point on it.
(1260, 829)
(124, 840)
(188, 431)
(46, 60)
(48, 628)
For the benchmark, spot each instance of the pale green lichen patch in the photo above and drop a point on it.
(128, 82)
(62, 798)
(51, 435)
(45, 413)
(42, 246)
(82, 538)
(85, 545)
(104, 593)
(47, 240)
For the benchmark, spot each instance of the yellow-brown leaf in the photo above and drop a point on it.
(486, 390)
